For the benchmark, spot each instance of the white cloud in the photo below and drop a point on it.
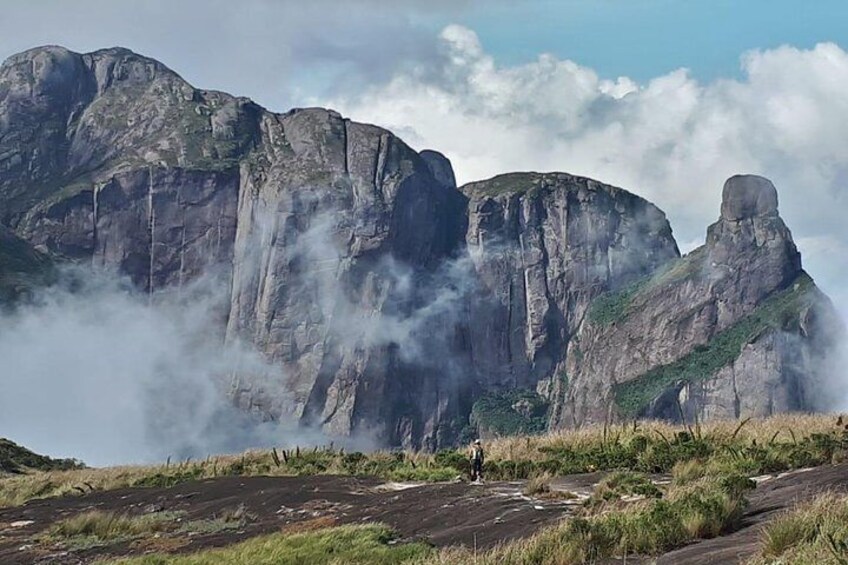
(266, 49)
(671, 139)
(94, 369)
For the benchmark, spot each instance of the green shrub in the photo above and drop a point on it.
(621, 484)
(453, 459)
(510, 413)
(165, 479)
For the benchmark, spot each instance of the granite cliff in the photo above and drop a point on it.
(391, 301)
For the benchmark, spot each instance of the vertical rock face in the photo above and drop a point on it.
(336, 220)
(332, 235)
(543, 246)
(387, 300)
(22, 268)
(111, 155)
(734, 329)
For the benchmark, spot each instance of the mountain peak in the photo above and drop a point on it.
(748, 196)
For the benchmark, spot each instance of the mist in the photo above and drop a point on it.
(97, 370)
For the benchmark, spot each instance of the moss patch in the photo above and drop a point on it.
(705, 360)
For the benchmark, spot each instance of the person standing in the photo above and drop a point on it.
(476, 455)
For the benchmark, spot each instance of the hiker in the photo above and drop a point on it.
(476, 456)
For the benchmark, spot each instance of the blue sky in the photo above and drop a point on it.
(644, 38)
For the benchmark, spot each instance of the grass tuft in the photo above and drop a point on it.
(375, 544)
(813, 532)
(96, 527)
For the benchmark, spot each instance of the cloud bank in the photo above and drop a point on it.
(672, 139)
(96, 370)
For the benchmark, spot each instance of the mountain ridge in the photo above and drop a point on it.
(390, 300)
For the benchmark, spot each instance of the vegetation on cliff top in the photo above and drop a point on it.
(509, 183)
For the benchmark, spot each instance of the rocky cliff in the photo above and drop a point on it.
(389, 301)
(734, 329)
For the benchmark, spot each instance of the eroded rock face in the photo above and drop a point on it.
(386, 299)
(323, 268)
(331, 234)
(734, 329)
(543, 246)
(748, 196)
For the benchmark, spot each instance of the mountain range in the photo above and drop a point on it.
(389, 300)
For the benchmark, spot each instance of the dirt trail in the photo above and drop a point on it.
(443, 514)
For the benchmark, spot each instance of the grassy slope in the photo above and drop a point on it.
(372, 543)
(762, 446)
(612, 307)
(706, 360)
(815, 532)
(17, 459)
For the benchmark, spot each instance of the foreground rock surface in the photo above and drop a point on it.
(444, 514)
(387, 300)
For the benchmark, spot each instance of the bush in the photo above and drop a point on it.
(623, 484)
(813, 532)
(510, 413)
(453, 459)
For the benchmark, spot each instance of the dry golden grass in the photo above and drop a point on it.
(310, 525)
(815, 531)
(17, 489)
(763, 430)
